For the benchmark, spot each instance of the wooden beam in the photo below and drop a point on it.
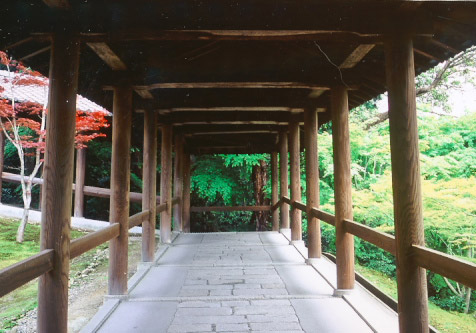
(274, 189)
(79, 182)
(145, 94)
(368, 234)
(166, 184)
(120, 187)
(230, 209)
(356, 56)
(60, 4)
(235, 109)
(149, 192)
(178, 181)
(444, 46)
(186, 192)
(16, 44)
(234, 85)
(232, 132)
(270, 117)
(283, 177)
(408, 219)
(426, 55)
(342, 188)
(294, 153)
(94, 239)
(108, 56)
(58, 180)
(312, 182)
(31, 55)
(139, 218)
(323, 216)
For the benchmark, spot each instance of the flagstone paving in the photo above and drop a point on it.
(238, 282)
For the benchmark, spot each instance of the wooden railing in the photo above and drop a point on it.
(438, 262)
(230, 209)
(16, 275)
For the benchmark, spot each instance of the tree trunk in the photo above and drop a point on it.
(259, 176)
(26, 213)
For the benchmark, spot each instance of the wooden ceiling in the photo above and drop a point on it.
(229, 74)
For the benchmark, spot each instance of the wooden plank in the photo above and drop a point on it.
(178, 181)
(33, 54)
(454, 268)
(236, 109)
(234, 85)
(356, 56)
(149, 174)
(230, 209)
(166, 184)
(79, 185)
(295, 157)
(323, 216)
(108, 56)
(22, 272)
(283, 177)
(120, 186)
(408, 217)
(58, 179)
(312, 182)
(427, 55)
(274, 190)
(380, 239)
(145, 94)
(186, 192)
(94, 239)
(139, 218)
(342, 187)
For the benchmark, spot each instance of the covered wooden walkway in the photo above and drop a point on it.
(239, 282)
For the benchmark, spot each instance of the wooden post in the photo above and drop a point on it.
(342, 188)
(178, 182)
(58, 180)
(79, 182)
(411, 279)
(149, 191)
(120, 186)
(186, 192)
(274, 189)
(294, 153)
(166, 184)
(2, 159)
(312, 182)
(283, 175)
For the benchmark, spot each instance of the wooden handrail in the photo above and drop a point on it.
(323, 216)
(299, 205)
(230, 209)
(277, 205)
(175, 201)
(18, 274)
(449, 266)
(380, 239)
(90, 241)
(138, 218)
(161, 207)
(286, 200)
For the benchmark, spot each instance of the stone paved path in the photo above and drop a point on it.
(231, 282)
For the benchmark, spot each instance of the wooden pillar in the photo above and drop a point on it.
(283, 176)
(79, 182)
(58, 180)
(274, 189)
(294, 153)
(166, 184)
(2, 159)
(149, 190)
(120, 186)
(342, 187)
(312, 182)
(186, 192)
(411, 279)
(178, 182)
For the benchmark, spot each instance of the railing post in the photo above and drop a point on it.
(294, 153)
(312, 182)
(274, 189)
(186, 192)
(79, 182)
(2, 159)
(166, 184)
(58, 180)
(120, 186)
(149, 190)
(342, 187)
(408, 219)
(178, 182)
(283, 176)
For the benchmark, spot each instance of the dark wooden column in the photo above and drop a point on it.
(166, 184)
(120, 186)
(294, 153)
(178, 182)
(79, 182)
(342, 187)
(274, 189)
(2, 159)
(58, 181)
(186, 192)
(411, 280)
(312, 182)
(149, 190)
(283, 177)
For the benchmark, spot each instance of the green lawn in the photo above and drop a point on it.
(444, 321)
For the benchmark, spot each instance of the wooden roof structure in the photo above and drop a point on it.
(244, 67)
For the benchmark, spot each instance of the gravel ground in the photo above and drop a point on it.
(87, 289)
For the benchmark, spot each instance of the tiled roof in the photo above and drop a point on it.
(39, 94)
